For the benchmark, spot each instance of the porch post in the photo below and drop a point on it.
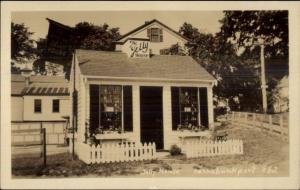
(210, 108)
(167, 116)
(87, 106)
(136, 112)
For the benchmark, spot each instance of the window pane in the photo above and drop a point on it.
(189, 107)
(55, 106)
(154, 31)
(156, 35)
(37, 106)
(185, 108)
(111, 107)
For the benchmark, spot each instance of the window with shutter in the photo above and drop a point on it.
(189, 108)
(155, 34)
(110, 108)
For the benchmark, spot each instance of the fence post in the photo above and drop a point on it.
(281, 125)
(270, 123)
(44, 147)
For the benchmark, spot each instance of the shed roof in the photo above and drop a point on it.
(118, 64)
(18, 85)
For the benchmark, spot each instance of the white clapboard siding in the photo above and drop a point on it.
(203, 148)
(116, 152)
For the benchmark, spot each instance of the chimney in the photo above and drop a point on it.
(26, 72)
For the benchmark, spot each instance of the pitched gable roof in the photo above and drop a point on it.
(158, 67)
(147, 24)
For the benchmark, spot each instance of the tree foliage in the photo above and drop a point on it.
(247, 28)
(235, 76)
(62, 41)
(102, 39)
(238, 75)
(22, 46)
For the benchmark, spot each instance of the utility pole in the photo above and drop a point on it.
(263, 77)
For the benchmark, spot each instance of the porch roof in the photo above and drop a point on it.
(118, 64)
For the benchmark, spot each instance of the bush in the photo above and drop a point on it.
(175, 150)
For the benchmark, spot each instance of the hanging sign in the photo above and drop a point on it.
(139, 49)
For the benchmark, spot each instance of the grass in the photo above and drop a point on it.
(260, 149)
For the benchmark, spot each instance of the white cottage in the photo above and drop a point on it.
(137, 94)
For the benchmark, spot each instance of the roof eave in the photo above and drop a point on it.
(143, 79)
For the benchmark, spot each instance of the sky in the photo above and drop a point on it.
(205, 21)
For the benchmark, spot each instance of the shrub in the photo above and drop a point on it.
(175, 150)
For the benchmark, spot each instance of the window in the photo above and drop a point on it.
(189, 108)
(55, 106)
(155, 34)
(37, 106)
(110, 109)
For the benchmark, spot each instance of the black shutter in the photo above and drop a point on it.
(94, 107)
(175, 107)
(161, 35)
(203, 106)
(127, 103)
(148, 32)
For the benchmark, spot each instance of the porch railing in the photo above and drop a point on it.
(116, 152)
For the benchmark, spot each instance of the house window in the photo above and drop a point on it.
(37, 106)
(55, 106)
(155, 34)
(187, 104)
(110, 109)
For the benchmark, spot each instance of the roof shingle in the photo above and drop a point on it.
(118, 64)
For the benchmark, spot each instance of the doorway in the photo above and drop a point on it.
(151, 115)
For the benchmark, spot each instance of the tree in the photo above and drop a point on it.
(22, 46)
(246, 28)
(62, 40)
(235, 76)
(102, 38)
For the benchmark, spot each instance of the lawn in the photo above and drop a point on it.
(264, 155)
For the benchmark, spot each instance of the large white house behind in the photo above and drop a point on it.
(39, 98)
(136, 94)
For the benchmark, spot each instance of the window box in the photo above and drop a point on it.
(113, 136)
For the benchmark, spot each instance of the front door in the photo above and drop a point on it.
(151, 115)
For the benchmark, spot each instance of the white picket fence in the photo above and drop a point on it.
(116, 152)
(203, 148)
